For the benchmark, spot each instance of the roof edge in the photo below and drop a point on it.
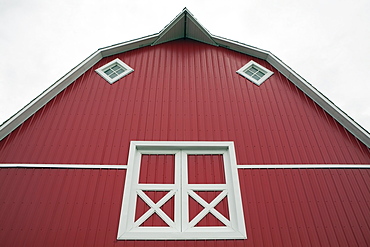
(42, 99)
(338, 114)
(347, 122)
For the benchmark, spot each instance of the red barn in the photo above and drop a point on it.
(183, 138)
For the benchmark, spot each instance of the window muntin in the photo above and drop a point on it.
(114, 70)
(186, 208)
(255, 72)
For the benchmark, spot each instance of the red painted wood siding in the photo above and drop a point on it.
(182, 90)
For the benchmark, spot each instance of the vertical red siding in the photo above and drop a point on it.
(206, 169)
(282, 207)
(157, 169)
(307, 207)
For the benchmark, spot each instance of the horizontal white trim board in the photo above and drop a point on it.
(63, 166)
(290, 166)
(306, 166)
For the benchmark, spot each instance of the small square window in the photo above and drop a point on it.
(114, 70)
(181, 190)
(255, 72)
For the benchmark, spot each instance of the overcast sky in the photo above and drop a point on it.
(326, 42)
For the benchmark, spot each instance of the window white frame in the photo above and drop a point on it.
(180, 228)
(117, 61)
(267, 73)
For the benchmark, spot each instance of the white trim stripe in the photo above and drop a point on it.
(306, 166)
(120, 167)
(63, 166)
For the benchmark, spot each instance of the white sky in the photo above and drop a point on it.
(326, 42)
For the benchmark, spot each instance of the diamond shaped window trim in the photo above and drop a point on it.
(114, 70)
(255, 72)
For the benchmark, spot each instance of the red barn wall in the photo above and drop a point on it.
(183, 91)
(282, 207)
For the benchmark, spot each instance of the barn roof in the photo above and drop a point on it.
(185, 26)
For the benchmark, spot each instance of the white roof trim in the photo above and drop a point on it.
(21, 116)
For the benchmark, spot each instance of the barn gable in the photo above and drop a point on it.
(183, 146)
(185, 26)
(177, 99)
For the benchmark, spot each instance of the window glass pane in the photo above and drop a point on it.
(256, 77)
(120, 71)
(248, 72)
(253, 69)
(112, 75)
(260, 73)
(108, 71)
(116, 67)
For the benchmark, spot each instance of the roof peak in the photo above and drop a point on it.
(184, 25)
